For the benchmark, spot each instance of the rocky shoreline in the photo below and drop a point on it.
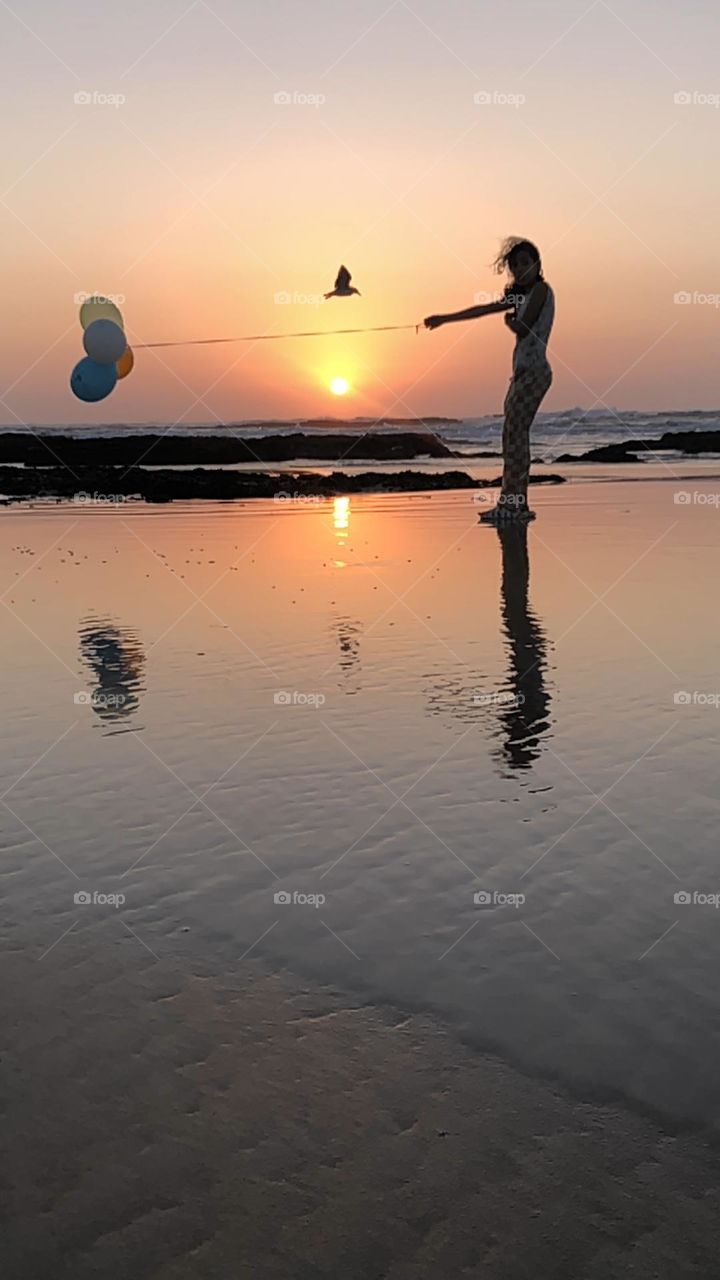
(109, 485)
(116, 468)
(111, 469)
(691, 443)
(316, 440)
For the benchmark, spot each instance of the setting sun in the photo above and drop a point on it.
(339, 386)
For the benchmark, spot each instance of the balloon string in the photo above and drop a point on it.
(267, 337)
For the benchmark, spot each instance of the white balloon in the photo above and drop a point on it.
(104, 341)
(99, 308)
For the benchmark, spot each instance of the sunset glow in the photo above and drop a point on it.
(326, 147)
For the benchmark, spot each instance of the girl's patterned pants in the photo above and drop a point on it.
(525, 395)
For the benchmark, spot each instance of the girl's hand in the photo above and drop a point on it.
(512, 323)
(433, 322)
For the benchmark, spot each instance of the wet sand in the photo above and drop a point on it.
(200, 1083)
(259, 1127)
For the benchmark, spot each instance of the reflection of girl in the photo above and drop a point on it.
(529, 304)
(526, 720)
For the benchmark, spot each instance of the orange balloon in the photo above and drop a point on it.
(125, 363)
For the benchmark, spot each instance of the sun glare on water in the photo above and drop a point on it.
(339, 386)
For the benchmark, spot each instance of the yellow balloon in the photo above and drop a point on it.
(125, 363)
(99, 308)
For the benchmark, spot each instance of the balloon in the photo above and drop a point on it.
(99, 308)
(90, 381)
(125, 364)
(104, 341)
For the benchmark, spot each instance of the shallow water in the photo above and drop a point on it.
(377, 701)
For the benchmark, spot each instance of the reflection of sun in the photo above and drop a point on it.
(341, 524)
(339, 386)
(341, 514)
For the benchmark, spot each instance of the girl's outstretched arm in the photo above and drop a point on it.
(470, 313)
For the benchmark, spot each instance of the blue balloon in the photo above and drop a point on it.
(91, 381)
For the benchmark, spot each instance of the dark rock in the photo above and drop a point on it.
(605, 453)
(156, 449)
(689, 442)
(104, 485)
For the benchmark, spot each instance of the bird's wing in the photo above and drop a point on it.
(343, 278)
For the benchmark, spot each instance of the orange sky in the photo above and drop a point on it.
(200, 198)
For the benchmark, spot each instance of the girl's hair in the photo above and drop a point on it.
(511, 248)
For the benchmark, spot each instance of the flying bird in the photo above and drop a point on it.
(343, 288)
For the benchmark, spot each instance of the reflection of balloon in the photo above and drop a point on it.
(104, 341)
(90, 381)
(99, 308)
(116, 658)
(125, 363)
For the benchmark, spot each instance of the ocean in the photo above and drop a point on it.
(570, 431)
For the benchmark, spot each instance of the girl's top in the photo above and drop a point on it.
(531, 351)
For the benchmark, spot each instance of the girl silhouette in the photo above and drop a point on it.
(529, 306)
